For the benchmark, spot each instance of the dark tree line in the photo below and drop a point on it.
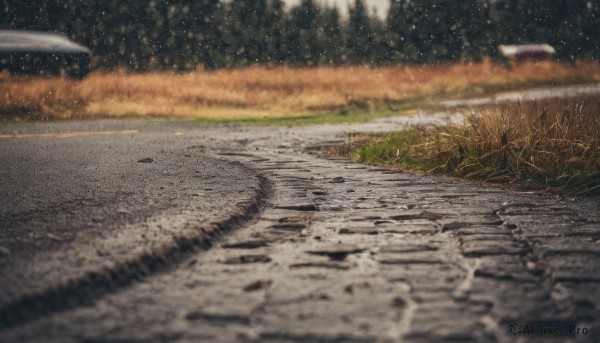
(187, 34)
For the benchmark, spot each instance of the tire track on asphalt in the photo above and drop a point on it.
(94, 284)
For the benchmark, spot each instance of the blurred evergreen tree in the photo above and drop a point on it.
(248, 31)
(359, 39)
(403, 31)
(380, 50)
(588, 21)
(332, 37)
(305, 45)
(200, 34)
(210, 31)
(277, 35)
(480, 32)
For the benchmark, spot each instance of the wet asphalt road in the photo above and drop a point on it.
(75, 204)
(333, 252)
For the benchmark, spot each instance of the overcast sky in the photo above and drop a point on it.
(380, 5)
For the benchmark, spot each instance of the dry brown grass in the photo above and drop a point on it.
(554, 144)
(261, 91)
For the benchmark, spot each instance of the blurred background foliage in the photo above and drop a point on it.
(189, 34)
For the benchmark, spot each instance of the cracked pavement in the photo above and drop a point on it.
(344, 252)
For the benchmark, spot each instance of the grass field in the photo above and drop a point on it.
(552, 145)
(268, 94)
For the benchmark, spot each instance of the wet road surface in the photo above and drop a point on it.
(334, 251)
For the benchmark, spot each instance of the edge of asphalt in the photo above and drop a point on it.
(94, 284)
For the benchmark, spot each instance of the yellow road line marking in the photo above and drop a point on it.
(69, 134)
(411, 111)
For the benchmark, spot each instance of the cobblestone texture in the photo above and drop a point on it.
(351, 253)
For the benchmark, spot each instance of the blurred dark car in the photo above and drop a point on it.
(31, 52)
